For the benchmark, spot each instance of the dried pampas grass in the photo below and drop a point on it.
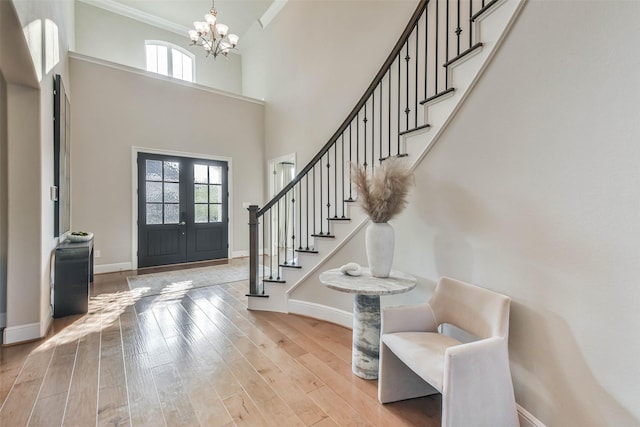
(383, 195)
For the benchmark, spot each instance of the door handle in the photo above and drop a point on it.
(182, 223)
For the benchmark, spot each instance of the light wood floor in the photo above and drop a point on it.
(189, 359)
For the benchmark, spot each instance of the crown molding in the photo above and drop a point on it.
(138, 15)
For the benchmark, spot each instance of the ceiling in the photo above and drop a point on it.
(239, 15)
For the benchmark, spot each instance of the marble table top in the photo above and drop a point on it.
(366, 284)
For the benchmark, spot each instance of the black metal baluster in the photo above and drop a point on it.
(300, 215)
(313, 212)
(286, 234)
(426, 53)
(458, 29)
(471, 22)
(380, 132)
(446, 48)
(415, 98)
(365, 135)
(270, 251)
(320, 191)
(307, 199)
(373, 130)
(335, 179)
(293, 226)
(407, 110)
(389, 113)
(358, 138)
(278, 241)
(350, 165)
(343, 181)
(328, 192)
(436, 65)
(399, 102)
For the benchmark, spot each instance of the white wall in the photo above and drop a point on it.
(313, 62)
(106, 35)
(3, 201)
(115, 109)
(533, 191)
(29, 240)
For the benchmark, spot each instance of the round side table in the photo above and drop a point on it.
(366, 312)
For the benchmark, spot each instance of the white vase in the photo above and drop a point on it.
(379, 243)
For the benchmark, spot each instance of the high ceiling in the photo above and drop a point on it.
(239, 15)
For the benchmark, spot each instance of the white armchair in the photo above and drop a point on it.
(474, 378)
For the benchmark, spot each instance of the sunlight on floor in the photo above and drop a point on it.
(104, 310)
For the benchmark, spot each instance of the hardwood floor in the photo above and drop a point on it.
(188, 359)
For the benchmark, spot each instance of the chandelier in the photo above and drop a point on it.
(213, 36)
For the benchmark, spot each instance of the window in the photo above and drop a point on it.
(162, 192)
(169, 60)
(207, 190)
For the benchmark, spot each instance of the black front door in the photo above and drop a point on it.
(182, 210)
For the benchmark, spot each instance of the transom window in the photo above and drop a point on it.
(169, 60)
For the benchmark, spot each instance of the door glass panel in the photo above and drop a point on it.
(214, 213)
(162, 192)
(154, 170)
(171, 192)
(171, 213)
(154, 213)
(171, 171)
(154, 192)
(214, 194)
(215, 175)
(200, 174)
(201, 213)
(200, 193)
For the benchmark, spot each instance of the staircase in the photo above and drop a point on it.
(440, 55)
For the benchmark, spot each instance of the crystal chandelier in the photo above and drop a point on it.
(213, 36)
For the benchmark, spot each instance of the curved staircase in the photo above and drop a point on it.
(442, 52)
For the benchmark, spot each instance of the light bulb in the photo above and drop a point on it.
(222, 29)
(233, 39)
(211, 19)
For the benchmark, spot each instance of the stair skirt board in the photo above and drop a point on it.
(491, 28)
(321, 312)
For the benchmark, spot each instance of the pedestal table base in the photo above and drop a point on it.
(366, 336)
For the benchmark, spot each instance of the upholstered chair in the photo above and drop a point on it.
(416, 359)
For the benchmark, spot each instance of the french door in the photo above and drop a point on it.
(182, 210)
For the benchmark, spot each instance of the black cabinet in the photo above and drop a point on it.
(73, 272)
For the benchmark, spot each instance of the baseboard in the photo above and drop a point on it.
(321, 312)
(112, 268)
(239, 254)
(526, 419)
(16, 334)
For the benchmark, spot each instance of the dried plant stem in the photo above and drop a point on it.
(383, 195)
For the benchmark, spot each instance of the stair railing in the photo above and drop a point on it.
(416, 72)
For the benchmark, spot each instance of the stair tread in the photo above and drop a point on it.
(257, 295)
(339, 219)
(463, 54)
(331, 236)
(307, 251)
(417, 128)
(291, 265)
(437, 95)
(274, 281)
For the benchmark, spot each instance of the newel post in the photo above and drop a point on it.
(254, 254)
